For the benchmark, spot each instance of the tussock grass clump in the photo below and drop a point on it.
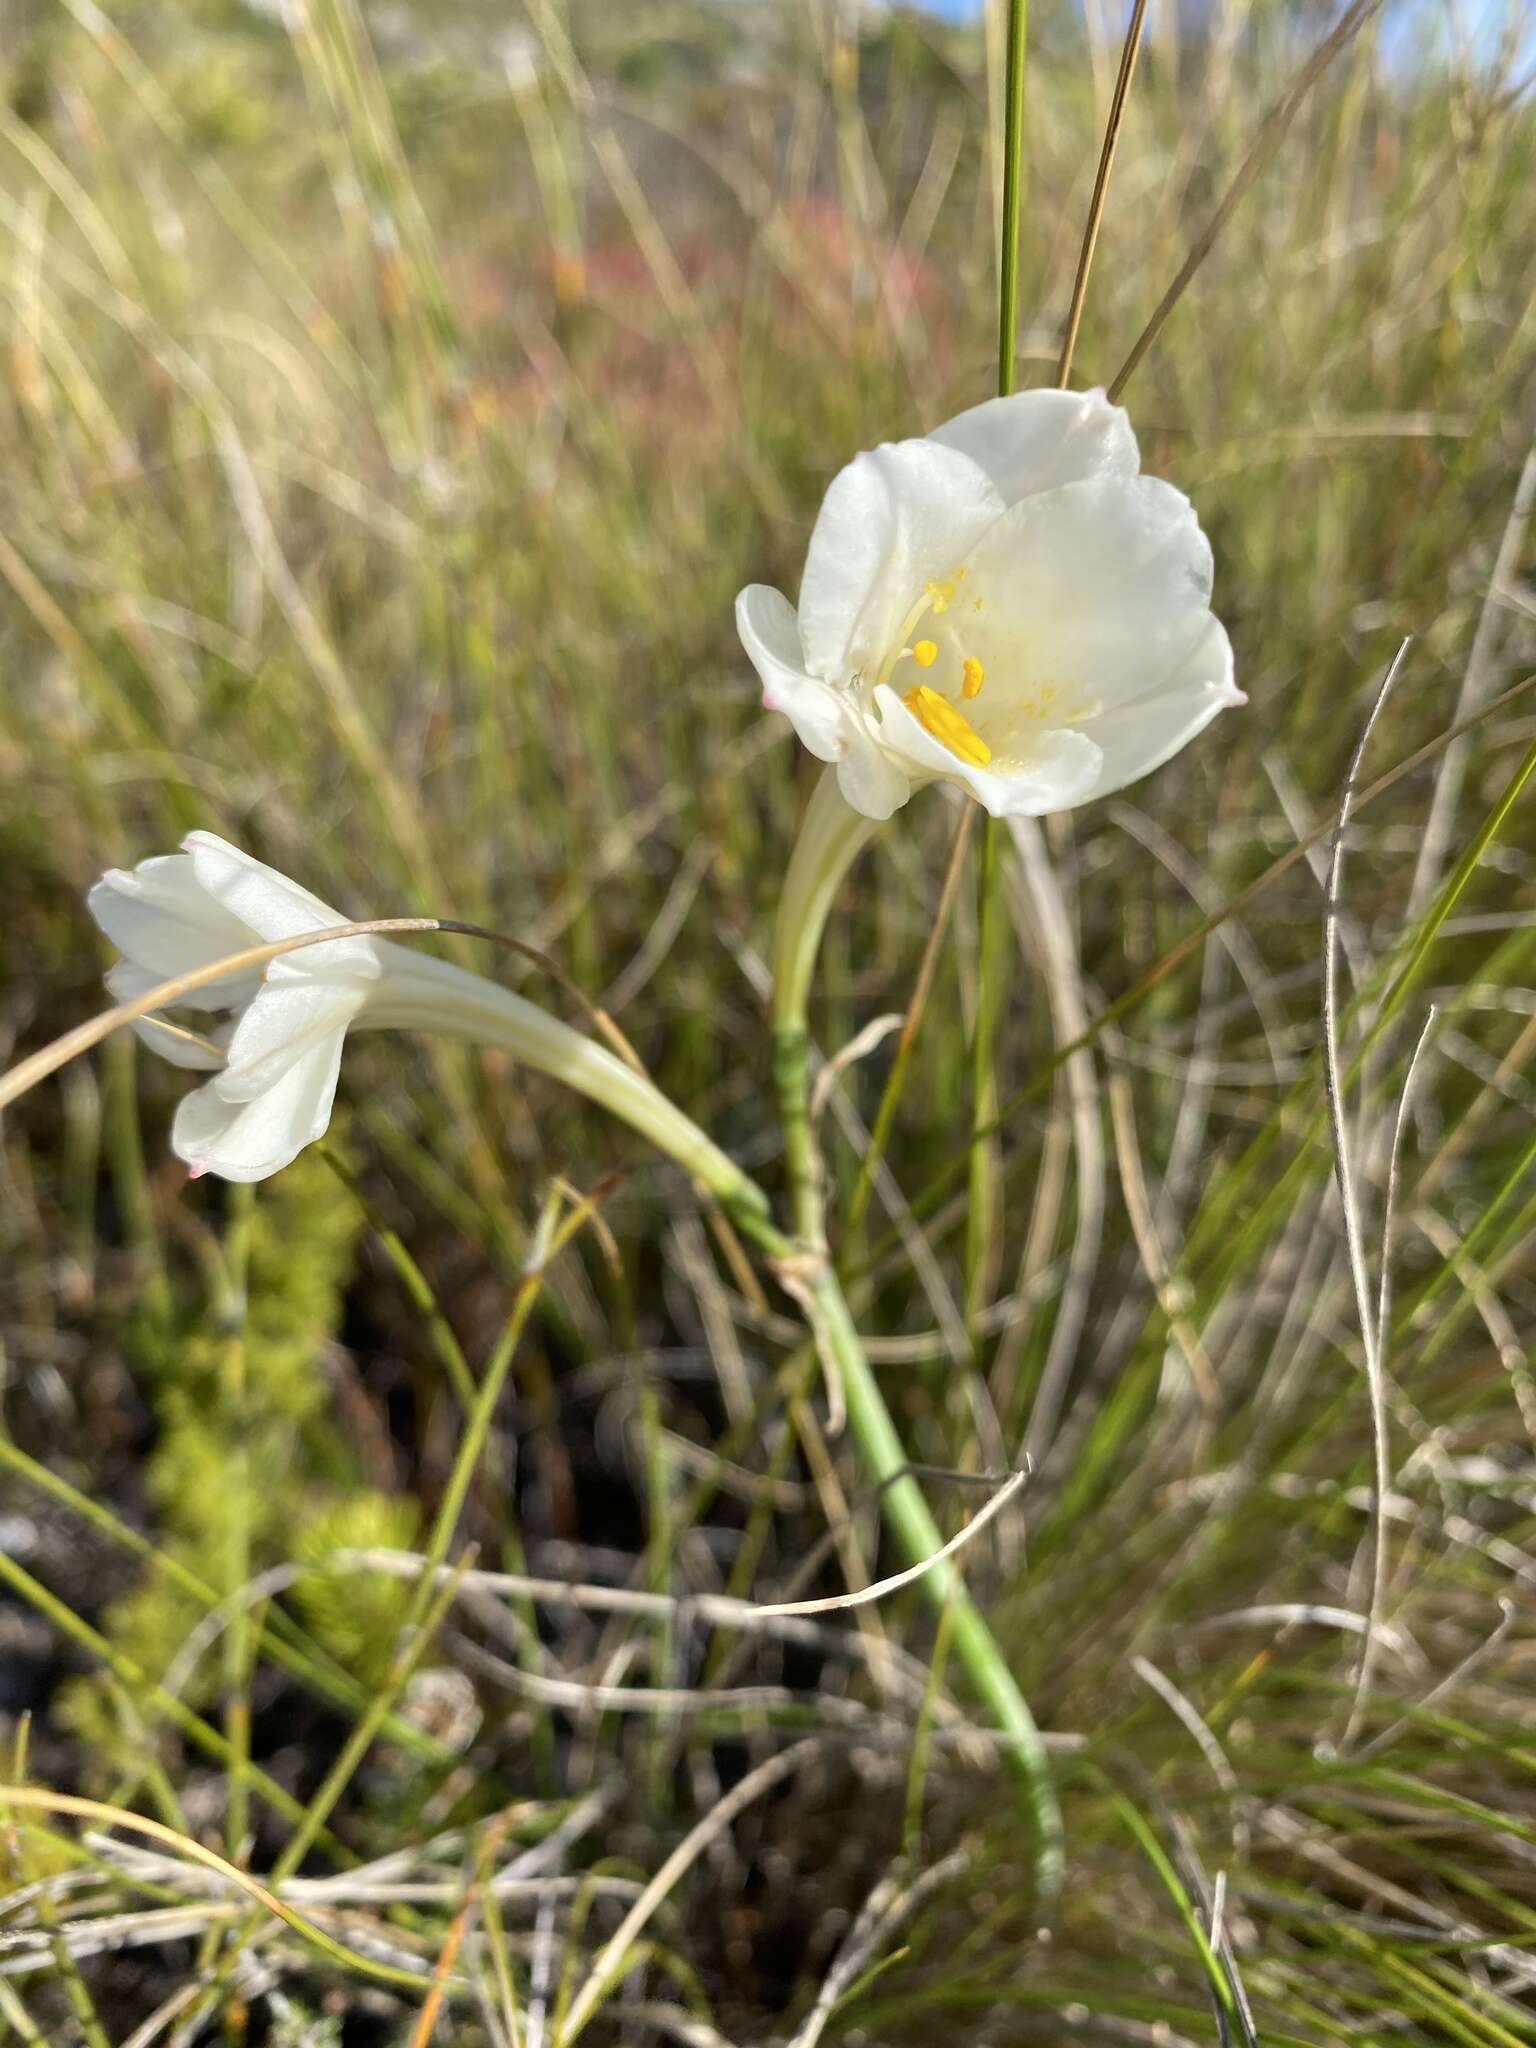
(394, 409)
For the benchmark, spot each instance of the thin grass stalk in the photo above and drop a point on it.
(983, 1164)
(450, 1353)
(929, 1197)
(81, 2004)
(917, 1004)
(241, 1636)
(104, 1815)
(983, 1217)
(1013, 188)
(1117, 106)
(1349, 1203)
(1269, 138)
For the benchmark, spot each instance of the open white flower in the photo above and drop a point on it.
(1008, 604)
(276, 1056)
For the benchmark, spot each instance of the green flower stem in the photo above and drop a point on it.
(908, 1518)
(916, 1533)
(832, 835)
(830, 838)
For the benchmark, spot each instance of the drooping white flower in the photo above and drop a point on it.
(1007, 604)
(275, 1056)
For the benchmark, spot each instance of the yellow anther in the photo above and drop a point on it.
(972, 676)
(926, 653)
(939, 595)
(937, 715)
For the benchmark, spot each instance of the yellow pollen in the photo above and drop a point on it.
(926, 653)
(937, 715)
(972, 676)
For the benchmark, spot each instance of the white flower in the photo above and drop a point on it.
(277, 1056)
(1007, 604)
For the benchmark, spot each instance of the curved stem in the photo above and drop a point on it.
(418, 992)
(832, 835)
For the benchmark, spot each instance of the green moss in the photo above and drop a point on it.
(251, 1465)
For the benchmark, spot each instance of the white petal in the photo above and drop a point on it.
(870, 779)
(765, 619)
(1137, 738)
(125, 981)
(1037, 440)
(1055, 771)
(1063, 769)
(281, 1026)
(897, 517)
(1094, 592)
(162, 919)
(274, 907)
(249, 1140)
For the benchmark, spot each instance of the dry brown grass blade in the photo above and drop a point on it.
(1117, 105)
(720, 1816)
(917, 1003)
(1349, 1199)
(59, 1051)
(43, 1801)
(866, 1594)
(426, 2019)
(1287, 860)
(1269, 138)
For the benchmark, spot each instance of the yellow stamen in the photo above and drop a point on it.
(972, 676)
(926, 653)
(936, 597)
(937, 715)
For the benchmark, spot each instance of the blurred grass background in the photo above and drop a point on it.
(395, 402)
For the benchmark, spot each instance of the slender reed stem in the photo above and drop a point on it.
(1013, 183)
(983, 1158)
(1117, 105)
(984, 1170)
(917, 1003)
